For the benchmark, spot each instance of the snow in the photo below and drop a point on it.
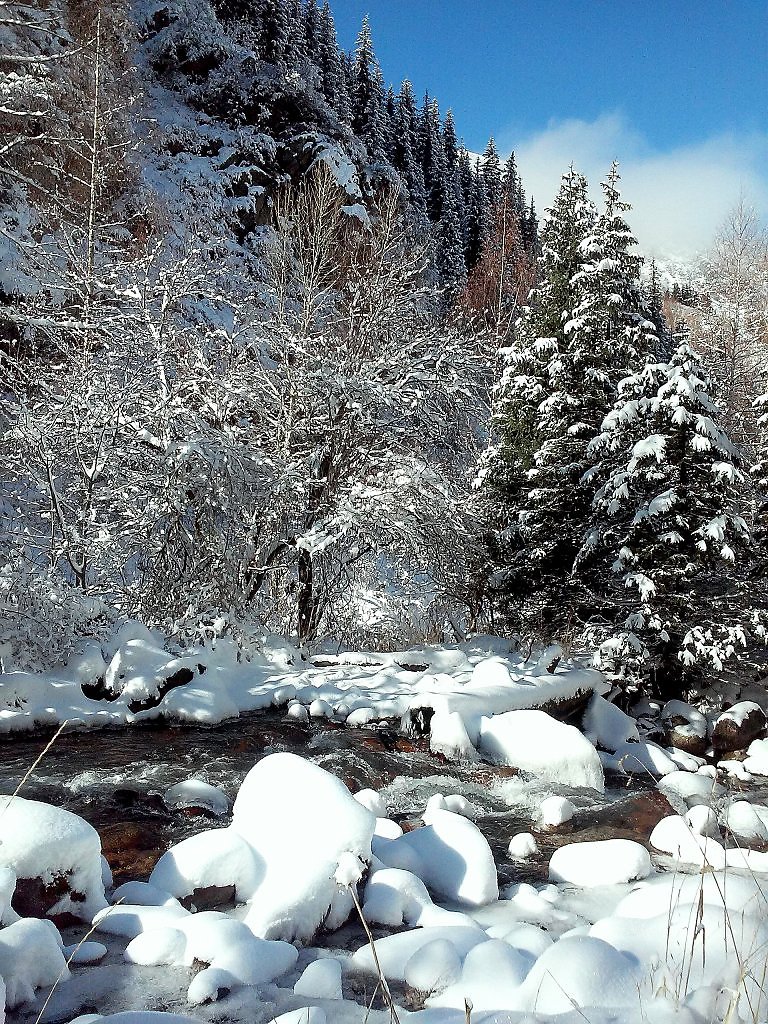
(490, 978)
(748, 821)
(320, 980)
(523, 846)
(30, 956)
(556, 810)
(581, 971)
(608, 934)
(756, 761)
(450, 854)
(234, 955)
(197, 793)
(673, 835)
(460, 684)
(46, 842)
(395, 951)
(218, 857)
(433, 967)
(540, 745)
(644, 758)
(606, 726)
(299, 820)
(609, 862)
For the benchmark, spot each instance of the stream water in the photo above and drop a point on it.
(115, 780)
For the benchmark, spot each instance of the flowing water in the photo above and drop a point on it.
(115, 780)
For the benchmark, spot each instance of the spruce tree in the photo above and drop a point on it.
(668, 527)
(331, 63)
(491, 173)
(406, 157)
(368, 95)
(531, 410)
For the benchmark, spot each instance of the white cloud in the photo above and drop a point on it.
(679, 196)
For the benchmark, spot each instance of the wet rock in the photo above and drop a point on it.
(35, 898)
(132, 849)
(736, 728)
(98, 690)
(140, 800)
(209, 898)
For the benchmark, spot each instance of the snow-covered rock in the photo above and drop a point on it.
(737, 727)
(217, 857)
(395, 951)
(746, 820)
(582, 971)
(30, 956)
(687, 789)
(320, 980)
(40, 841)
(523, 846)
(608, 862)
(490, 978)
(450, 854)
(433, 967)
(644, 758)
(556, 810)
(197, 793)
(674, 836)
(685, 727)
(540, 745)
(606, 726)
(234, 955)
(300, 821)
(448, 735)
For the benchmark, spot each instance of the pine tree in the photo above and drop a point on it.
(668, 526)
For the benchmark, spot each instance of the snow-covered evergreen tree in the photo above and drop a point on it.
(368, 95)
(529, 416)
(668, 527)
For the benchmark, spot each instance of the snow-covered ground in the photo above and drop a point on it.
(672, 927)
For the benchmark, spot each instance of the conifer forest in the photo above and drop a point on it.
(310, 416)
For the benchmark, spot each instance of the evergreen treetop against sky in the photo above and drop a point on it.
(677, 94)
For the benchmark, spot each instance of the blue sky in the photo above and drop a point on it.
(677, 90)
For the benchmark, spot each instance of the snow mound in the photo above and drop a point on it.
(537, 743)
(450, 854)
(746, 820)
(556, 810)
(49, 843)
(644, 758)
(320, 980)
(490, 978)
(216, 857)
(433, 967)
(196, 793)
(606, 726)
(674, 836)
(581, 972)
(233, 954)
(687, 789)
(395, 951)
(300, 821)
(30, 956)
(522, 846)
(608, 862)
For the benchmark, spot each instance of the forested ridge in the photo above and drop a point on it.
(278, 353)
